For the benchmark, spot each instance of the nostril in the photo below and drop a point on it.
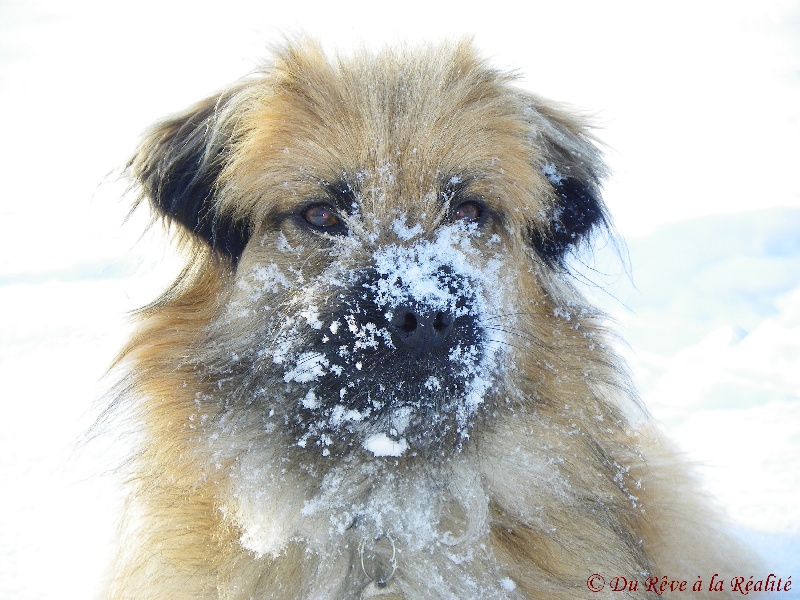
(409, 322)
(442, 322)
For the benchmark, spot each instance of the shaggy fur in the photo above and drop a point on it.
(374, 376)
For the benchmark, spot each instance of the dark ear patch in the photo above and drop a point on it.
(571, 208)
(577, 211)
(178, 166)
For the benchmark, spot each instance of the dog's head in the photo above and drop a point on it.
(385, 228)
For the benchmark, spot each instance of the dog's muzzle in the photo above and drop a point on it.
(403, 347)
(395, 358)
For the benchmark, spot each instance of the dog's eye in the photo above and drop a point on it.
(468, 211)
(321, 215)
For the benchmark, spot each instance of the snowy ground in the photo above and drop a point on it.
(699, 101)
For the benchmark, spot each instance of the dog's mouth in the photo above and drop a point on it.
(397, 362)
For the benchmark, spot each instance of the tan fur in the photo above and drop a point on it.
(555, 476)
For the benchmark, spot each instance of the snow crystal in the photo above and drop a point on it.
(508, 584)
(551, 172)
(381, 444)
(367, 335)
(433, 383)
(404, 232)
(310, 401)
(270, 278)
(309, 366)
(311, 315)
(282, 245)
(401, 419)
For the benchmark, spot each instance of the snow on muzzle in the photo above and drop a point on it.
(399, 360)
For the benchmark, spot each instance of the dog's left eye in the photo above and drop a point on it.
(468, 211)
(321, 215)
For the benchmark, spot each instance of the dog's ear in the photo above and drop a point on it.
(177, 168)
(573, 168)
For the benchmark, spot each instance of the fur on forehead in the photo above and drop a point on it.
(408, 120)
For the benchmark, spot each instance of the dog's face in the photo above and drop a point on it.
(390, 228)
(378, 331)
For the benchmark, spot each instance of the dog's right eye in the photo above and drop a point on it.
(468, 211)
(322, 216)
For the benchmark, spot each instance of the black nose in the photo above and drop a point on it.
(419, 330)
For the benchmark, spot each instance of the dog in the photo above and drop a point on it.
(375, 376)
